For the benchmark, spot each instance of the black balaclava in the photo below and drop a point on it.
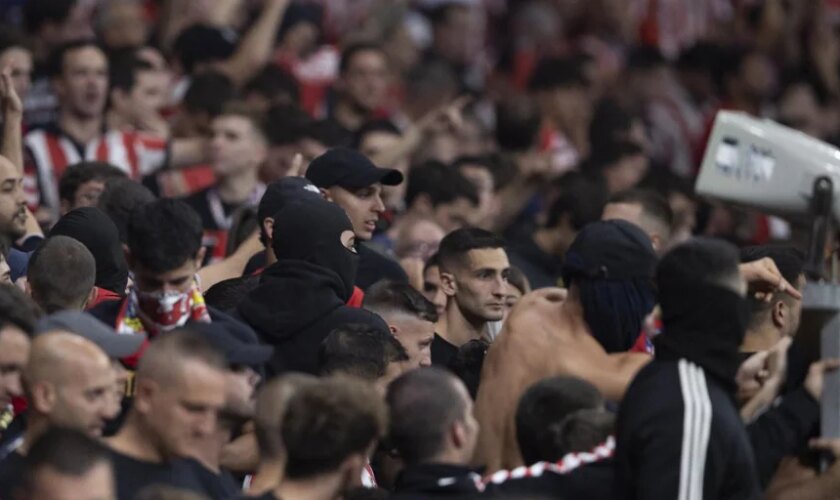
(612, 263)
(309, 229)
(97, 232)
(704, 322)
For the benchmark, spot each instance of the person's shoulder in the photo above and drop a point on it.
(107, 311)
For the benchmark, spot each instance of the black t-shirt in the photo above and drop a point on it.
(12, 470)
(133, 475)
(442, 351)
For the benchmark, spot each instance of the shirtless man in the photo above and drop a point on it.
(549, 333)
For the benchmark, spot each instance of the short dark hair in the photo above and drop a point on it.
(789, 260)
(120, 198)
(699, 261)
(37, 13)
(329, 421)
(272, 401)
(272, 83)
(552, 73)
(423, 404)
(286, 124)
(517, 125)
(17, 309)
(654, 205)
(164, 234)
(441, 183)
(468, 362)
(329, 133)
(61, 273)
(354, 49)
(381, 126)
(362, 351)
(67, 451)
(580, 198)
(582, 431)
(83, 172)
(455, 245)
(387, 297)
(208, 92)
(123, 69)
(243, 110)
(56, 58)
(546, 404)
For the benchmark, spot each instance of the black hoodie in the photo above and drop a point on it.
(301, 298)
(437, 481)
(96, 231)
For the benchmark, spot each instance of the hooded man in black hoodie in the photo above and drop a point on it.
(679, 433)
(301, 298)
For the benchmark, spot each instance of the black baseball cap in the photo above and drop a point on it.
(349, 169)
(281, 192)
(612, 250)
(236, 340)
(114, 345)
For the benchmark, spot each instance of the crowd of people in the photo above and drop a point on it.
(409, 249)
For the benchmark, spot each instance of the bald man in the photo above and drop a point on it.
(179, 390)
(68, 382)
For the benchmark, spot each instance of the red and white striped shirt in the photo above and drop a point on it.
(50, 151)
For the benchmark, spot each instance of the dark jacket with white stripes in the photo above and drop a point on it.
(680, 437)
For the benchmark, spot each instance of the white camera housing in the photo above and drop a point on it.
(761, 164)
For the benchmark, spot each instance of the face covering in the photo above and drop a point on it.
(615, 310)
(704, 324)
(156, 312)
(310, 230)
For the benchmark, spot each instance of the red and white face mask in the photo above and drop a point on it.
(167, 310)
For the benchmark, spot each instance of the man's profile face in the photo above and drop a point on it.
(87, 195)
(83, 85)
(14, 353)
(432, 289)
(480, 284)
(85, 396)
(12, 203)
(184, 411)
(148, 96)
(416, 336)
(95, 484)
(363, 207)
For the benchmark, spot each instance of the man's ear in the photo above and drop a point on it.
(458, 434)
(268, 227)
(448, 284)
(394, 330)
(144, 390)
(351, 470)
(43, 397)
(199, 256)
(656, 240)
(779, 314)
(91, 298)
(326, 194)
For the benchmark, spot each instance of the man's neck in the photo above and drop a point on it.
(349, 116)
(237, 188)
(319, 488)
(36, 426)
(81, 129)
(210, 452)
(456, 329)
(116, 121)
(760, 339)
(132, 442)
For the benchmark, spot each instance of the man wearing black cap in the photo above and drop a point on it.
(549, 333)
(301, 298)
(353, 182)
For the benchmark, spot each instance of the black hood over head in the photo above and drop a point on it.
(704, 321)
(96, 231)
(309, 229)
